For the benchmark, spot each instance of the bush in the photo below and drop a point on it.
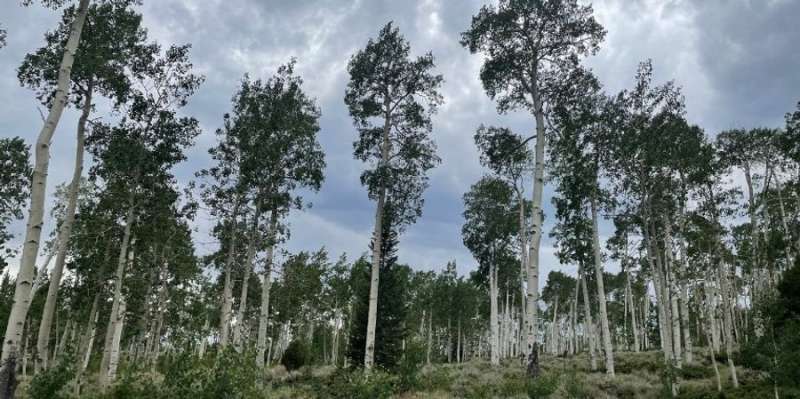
(575, 386)
(295, 356)
(50, 384)
(358, 385)
(409, 367)
(545, 385)
(694, 372)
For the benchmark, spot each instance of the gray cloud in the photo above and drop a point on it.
(735, 61)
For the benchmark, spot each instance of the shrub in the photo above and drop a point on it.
(295, 356)
(545, 385)
(694, 372)
(437, 378)
(358, 385)
(50, 383)
(574, 386)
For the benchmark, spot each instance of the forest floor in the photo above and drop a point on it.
(638, 375)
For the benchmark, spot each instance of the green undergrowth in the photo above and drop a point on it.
(233, 375)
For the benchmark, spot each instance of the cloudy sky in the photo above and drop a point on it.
(737, 61)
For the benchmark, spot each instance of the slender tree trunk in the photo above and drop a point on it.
(227, 290)
(790, 253)
(687, 339)
(524, 262)
(377, 242)
(113, 360)
(120, 274)
(152, 350)
(727, 322)
(430, 338)
(33, 232)
(266, 283)
(493, 319)
(554, 344)
(574, 341)
(601, 293)
(632, 307)
(248, 265)
(64, 236)
(41, 274)
(88, 338)
(204, 341)
(537, 217)
(709, 337)
(588, 323)
(671, 290)
(751, 210)
(646, 321)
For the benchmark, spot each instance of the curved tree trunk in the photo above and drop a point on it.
(33, 231)
(64, 236)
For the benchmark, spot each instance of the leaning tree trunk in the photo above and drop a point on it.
(64, 235)
(601, 293)
(87, 341)
(532, 295)
(227, 290)
(120, 274)
(263, 319)
(33, 232)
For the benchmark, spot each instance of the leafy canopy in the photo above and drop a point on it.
(391, 98)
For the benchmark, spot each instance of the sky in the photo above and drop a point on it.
(736, 61)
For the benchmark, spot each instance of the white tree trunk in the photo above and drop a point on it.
(727, 321)
(588, 324)
(119, 276)
(687, 338)
(377, 242)
(532, 295)
(601, 293)
(494, 324)
(227, 290)
(248, 265)
(266, 283)
(632, 307)
(201, 352)
(88, 339)
(33, 231)
(113, 361)
(646, 322)
(64, 234)
(372, 316)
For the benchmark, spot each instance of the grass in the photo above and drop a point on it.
(638, 375)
